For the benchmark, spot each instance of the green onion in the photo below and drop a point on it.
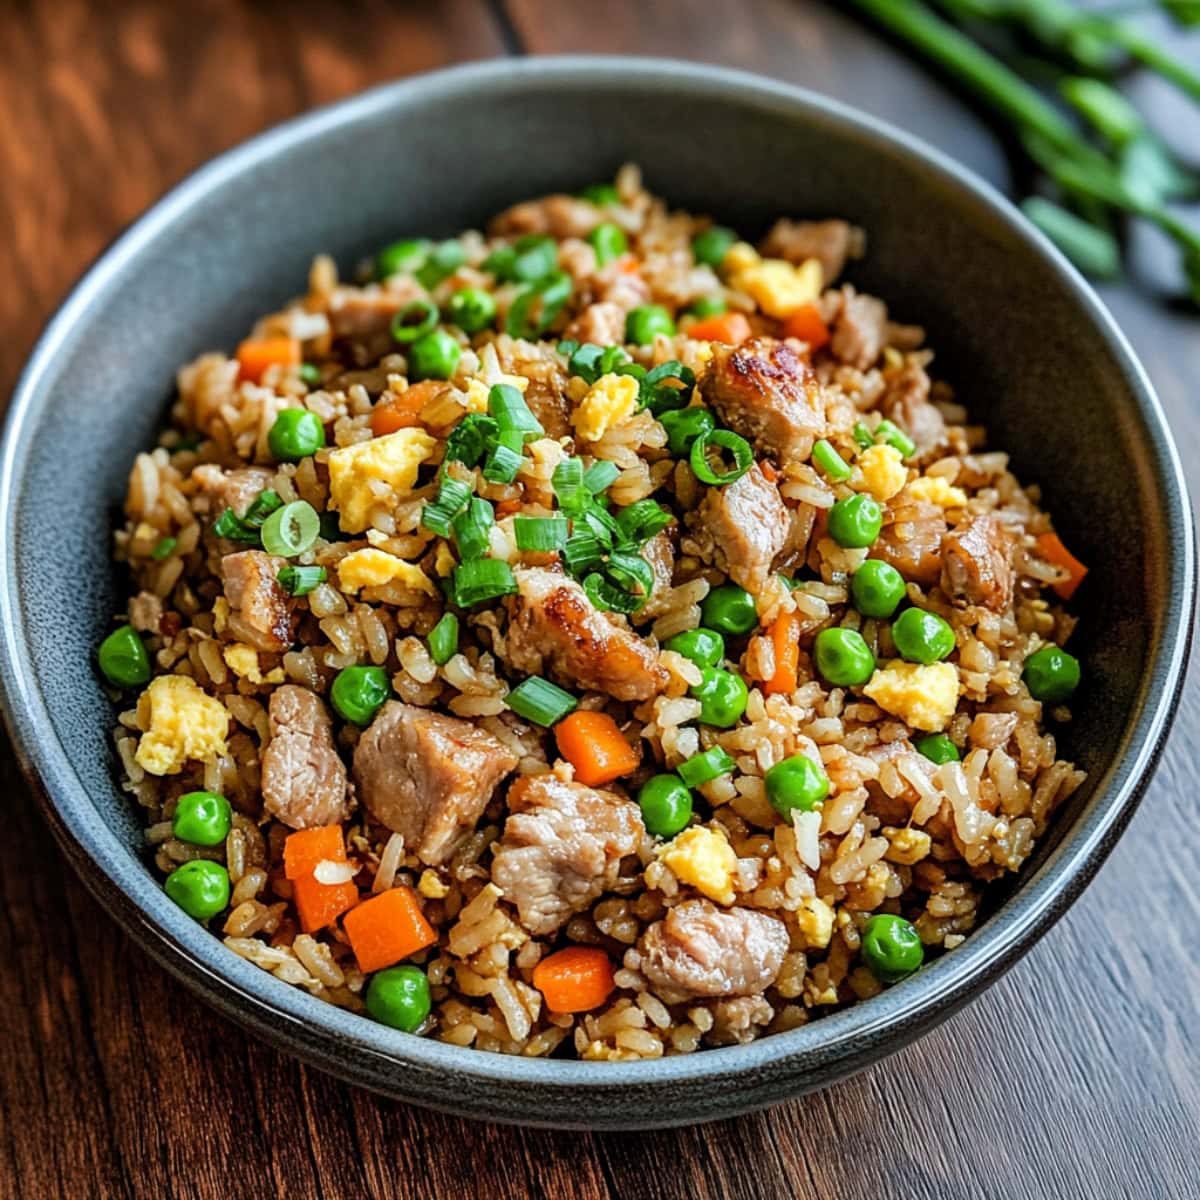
(863, 436)
(582, 551)
(508, 409)
(414, 320)
(632, 573)
(444, 259)
(443, 639)
(164, 548)
(505, 457)
(600, 194)
(331, 528)
(704, 768)
(453, 496)
(609, 597)
(541, 534)
(608, 241)
(723, 439)
(535, 308)
(482, 579)
(893, 435)
(471, 528)
(536, 256)
(584, 361)
(299, 581)
(232, 527)
(540, 701)
(667, 387)
(599, 475)
(567, 482)
(405, 255)
(643, 520)
(310, 374)
(684, 426)
(602, 524)
(830, 461)
(291, 529)
(469, 439)
(261, 507)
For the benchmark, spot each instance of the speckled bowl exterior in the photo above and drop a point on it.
(1026, 342)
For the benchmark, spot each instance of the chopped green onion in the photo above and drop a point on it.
(600, 194)
(893, 435)
(505, 457)
(261, 507)
(471, 528)
(704, 768)
(609, 597)
(599, 475)
(469, 439)
(508, 409)
(482, 579)
(444, 259)
(231, 527)
(541, 534)
(567, 482)
(830, 461)
(723, 439)
(453, 496)
(684, 426)
(863, 436)
(405, 255)
(310, 374)
(608, 241)
(331, 528)
(299, 581)
(443, 639)
(600, 522)
(414, 320)
(581, 551)
(291, 530)
(535, 308)
(536, 256)
(643, 520)
(632, 573)
(164, 548)
(668, 386)
(540, 701)
(500, 262)
(584, 361)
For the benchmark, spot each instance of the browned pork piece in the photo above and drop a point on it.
(562, 848)
(602, 324)
(749, 525)
(906, 402)
(765, 391)
(830, 242)
(427, 776)
(559, 215)
(555, 630)
(977, 563)
(911, 539)
(364, 312)
(660, 554)
(255, 595)
(303, 776)
(860, 329)
(236, 489)
(698, 949)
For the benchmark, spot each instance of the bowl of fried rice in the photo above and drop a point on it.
(588, 592)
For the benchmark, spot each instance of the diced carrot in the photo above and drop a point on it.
(628, 264)
(807, 324)
(593, 745)
(506, 508)
(730, 328)
(768, 470)
(404, 409)
(255, 355)
(305, 848)
(785, 639)
(575, 979)
(320, 904)
(1050, 547)
(387, 928)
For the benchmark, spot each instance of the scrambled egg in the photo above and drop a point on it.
(444, 561)
(431, 886)
(883, 471)
(609, 401)
(777, 286)
(814, 920)
(703, 858)
(220, 614)
(922, 697)
(390, 461)
(907, 846)
(242, 660)
(936, 490)
(180, 721)
(377, 568)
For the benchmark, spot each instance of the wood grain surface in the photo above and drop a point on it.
(1075, 1076)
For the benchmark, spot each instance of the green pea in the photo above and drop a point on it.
(123, 659)
(922, 637)
(600, 194)
(708, 306)
(666, 805)
(938, 748)
(399, 997)
(729, 609)
(796, 784)
(295, 434)
(722, 696)
(705, 647)
(843, 658)
(434, 356)
(1051, 675)
(310, 374)
(711, 246)
(202, 818)
(358, 693)
(405, 255)
(877, 589)
(684, 426)
(471, 309)
(608, 241)
(644, 323)
(200, 888)
(891, 947)
(855, 521)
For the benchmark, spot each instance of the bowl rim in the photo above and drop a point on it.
(312, 1028)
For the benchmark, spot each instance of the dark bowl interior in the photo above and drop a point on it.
(1026, 344)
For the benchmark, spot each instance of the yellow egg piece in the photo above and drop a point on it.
(242, 660)
(814, 920)
(376, 568)
(381, 471)
(923, 697)
(180, 721)
(704, 859)
(609, 401)
(937, 490)
(883, 471)
(778, 287)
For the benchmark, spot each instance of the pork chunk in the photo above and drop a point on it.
(427, 776)
(860, 330)
(911, 539)
(765, 391)
(977, 563)
(602, 324)
(660, 554)
(562, 848)
(366, 312)
(303, 776)
(906, 402)
(698, 949)
(255, 595)
(830, 242)
(749, 524)
(555, 630)
(559, 215)
(236, 489)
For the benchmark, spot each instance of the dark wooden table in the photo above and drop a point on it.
(1076, 1076)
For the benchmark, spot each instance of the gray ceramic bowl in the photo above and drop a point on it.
(1029, 346)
